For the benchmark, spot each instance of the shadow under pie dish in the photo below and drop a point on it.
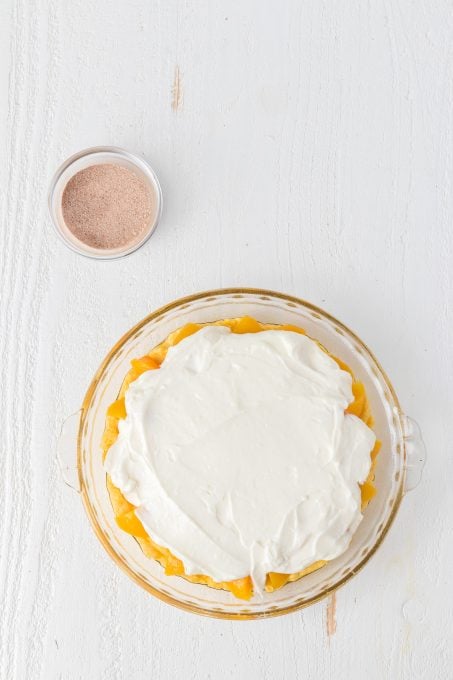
(151, 562)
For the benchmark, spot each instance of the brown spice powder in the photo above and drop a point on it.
(107, 206)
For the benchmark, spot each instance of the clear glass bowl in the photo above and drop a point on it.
(401, 444)
(98, 155)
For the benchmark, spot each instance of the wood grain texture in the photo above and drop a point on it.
(313, 154)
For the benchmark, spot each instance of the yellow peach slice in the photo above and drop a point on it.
(143, 364)
(356, 407)
(130, 523)
(276, 580)
(290, 327)
(117, 409)
(184, 332)
(241, 588)
(121, 505)
(368, 491)
(173, 566)
(245, 325)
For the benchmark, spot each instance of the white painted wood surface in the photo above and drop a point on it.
(302, 146)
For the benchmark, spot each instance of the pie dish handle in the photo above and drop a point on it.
(415, 452)
(67, 451)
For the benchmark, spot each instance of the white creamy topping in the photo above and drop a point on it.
(239, 457)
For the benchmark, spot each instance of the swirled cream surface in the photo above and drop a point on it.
(239, 457)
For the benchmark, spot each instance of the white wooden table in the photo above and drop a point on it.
(302, 146)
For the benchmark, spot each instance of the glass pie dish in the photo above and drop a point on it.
(399, 467)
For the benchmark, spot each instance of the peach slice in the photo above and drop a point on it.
(184, 332)
(290, 327)
(143, 364)
(275, 580)
(173, 566)
(356, 407)
(245, 325)
(241, 588)
(117, 409)
(130, 523)
(121, 505)
(367, 491)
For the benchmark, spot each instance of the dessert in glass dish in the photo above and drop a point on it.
(397, 467)
(240, 455)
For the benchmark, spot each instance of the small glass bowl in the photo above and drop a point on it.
(398, 470)
(98, 155)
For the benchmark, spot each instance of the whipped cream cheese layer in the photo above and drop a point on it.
(239, 457)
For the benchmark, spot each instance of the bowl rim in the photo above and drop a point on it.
(92, 515)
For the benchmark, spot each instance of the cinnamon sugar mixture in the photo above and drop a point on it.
(107, 206)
